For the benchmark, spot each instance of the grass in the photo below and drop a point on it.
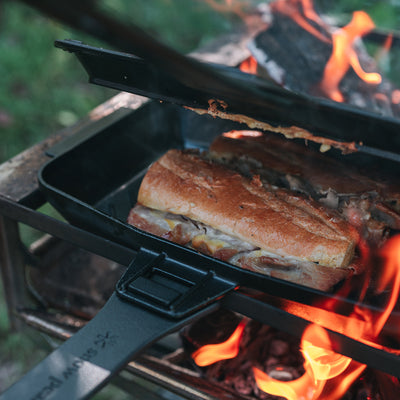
(38, 97)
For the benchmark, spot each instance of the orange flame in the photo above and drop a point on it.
(343, 56)
(211, 353)
(322, 364)
(292, 390)
(390, 277)
(301, 11)
(383, 52)
(388, 43)
(328, 375)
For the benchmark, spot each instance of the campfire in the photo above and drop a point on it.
(324, 60)
(263, 360)
(329, 62)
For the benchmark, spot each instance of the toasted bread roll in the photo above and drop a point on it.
(271, 220)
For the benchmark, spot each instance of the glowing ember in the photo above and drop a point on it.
(241, 134)
(249, 66)
(322, 364)
(211, 353)
(328, 375)
(343, 56)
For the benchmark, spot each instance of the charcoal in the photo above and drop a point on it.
(274, 352)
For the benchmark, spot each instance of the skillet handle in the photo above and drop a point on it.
(89, 359)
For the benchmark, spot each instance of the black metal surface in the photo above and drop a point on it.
(90, 358)
(243, 93)
(95, 184)
(71, 234)
(271, 315)
(169, 287)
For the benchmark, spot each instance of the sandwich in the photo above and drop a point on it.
(368, 201)
(198, 200)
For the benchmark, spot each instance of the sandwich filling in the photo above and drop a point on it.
(202, 204)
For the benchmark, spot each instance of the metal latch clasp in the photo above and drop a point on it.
(168, 286)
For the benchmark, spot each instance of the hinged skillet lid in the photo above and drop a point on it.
(238, 95)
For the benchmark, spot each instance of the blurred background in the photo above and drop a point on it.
(44, 89)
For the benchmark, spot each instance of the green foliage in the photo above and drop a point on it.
(182, 24)
(39, 84)
(384, 13)
(44, 89)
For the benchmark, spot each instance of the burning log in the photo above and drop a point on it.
(324, 61)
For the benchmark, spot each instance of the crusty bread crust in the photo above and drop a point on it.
(184, 183)
(292, 158)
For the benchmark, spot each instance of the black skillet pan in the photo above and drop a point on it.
(94, 185)
(165, 75)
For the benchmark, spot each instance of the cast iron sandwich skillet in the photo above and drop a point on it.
(158, 72)
(94, 185)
